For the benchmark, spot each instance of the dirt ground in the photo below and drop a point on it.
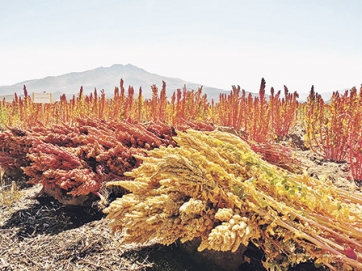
(41, 234)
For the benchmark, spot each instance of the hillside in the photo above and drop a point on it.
(106, 78)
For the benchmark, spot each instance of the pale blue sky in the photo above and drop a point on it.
(216, 43)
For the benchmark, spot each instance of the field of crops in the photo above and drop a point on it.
(180, 168)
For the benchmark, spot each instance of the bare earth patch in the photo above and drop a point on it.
(40, 234)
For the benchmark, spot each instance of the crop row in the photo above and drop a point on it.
(332, 129)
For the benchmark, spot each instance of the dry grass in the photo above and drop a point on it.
(9, 195)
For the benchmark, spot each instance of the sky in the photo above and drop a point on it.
(216, 43)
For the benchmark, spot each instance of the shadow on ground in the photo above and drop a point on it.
(48, 216)
(176, 258)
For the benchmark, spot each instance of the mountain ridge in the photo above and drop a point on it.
(105, 78)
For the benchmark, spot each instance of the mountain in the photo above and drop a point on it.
(106, 78)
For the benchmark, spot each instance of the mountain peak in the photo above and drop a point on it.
(105, 78)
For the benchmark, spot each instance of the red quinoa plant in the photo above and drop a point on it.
(283, 112)
(355, 134)
(260, 118)
(247, 113)
(334, 130)
(327, 125)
